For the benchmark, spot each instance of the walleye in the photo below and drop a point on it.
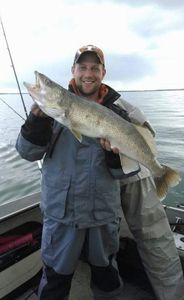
(85, 117)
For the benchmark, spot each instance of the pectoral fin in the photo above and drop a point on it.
(128, 165)
(77, 135)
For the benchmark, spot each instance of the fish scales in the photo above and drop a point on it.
(104, 123)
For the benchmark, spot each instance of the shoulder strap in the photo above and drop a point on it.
(120, 111)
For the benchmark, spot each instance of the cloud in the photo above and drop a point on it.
(125, 68)
(128, 67)
(141, 39)
(153, 23)
(165, 4)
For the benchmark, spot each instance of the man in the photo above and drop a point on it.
(80, 188)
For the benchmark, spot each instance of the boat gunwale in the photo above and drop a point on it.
(13, 208)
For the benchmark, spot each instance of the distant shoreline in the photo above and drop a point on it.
(120, 91)
(151, 90)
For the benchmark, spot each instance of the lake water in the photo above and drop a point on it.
(164, 109)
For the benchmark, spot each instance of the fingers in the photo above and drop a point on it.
(107, 146)
(115, 150)
(37, 111)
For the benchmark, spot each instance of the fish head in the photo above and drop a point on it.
(41, 90)
(47, 94)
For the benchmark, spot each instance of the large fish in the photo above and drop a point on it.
(85, 117)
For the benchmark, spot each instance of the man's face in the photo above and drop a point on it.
(88, 74)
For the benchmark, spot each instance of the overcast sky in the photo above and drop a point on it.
(143, 40)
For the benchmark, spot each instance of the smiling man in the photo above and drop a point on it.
(88, 72)
(81, 201)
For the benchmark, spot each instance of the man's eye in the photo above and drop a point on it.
(96, 69)
(82, 68)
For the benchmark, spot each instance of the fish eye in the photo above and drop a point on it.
(48, 82)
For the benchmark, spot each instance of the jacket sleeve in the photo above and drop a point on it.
(136, 115)
(112, 159)
(34, 137)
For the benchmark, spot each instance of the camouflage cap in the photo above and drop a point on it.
(90, 48)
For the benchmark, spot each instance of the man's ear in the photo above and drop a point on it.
(72, 69)
(104, 72)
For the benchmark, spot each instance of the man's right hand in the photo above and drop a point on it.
(107, 146)
(37, 111)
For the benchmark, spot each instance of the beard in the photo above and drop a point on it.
(88, 92)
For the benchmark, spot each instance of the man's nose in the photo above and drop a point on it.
(88, 72)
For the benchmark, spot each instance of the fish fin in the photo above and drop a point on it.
(170, 178)
(148, 137)
(128, 165)
(77, 134)
(148, 126)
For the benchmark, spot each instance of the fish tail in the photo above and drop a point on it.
(168, 179)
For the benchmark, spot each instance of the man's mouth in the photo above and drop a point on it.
(88, 81)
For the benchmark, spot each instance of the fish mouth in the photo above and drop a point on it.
(32, 87)
(38, 84)
(37, 78)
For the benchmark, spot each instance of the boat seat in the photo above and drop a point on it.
(19, 242)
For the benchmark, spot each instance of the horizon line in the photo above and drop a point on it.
(120, 91)
(152, 90)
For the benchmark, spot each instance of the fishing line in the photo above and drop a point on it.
(12, 109)
(15, 74)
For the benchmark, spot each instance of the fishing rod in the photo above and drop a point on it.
(17, 81)
(11, 59)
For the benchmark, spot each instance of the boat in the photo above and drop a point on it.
(20, 261)
(20, 235)
(20, 242)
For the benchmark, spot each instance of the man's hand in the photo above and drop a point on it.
(107, 146)
(37, 111)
